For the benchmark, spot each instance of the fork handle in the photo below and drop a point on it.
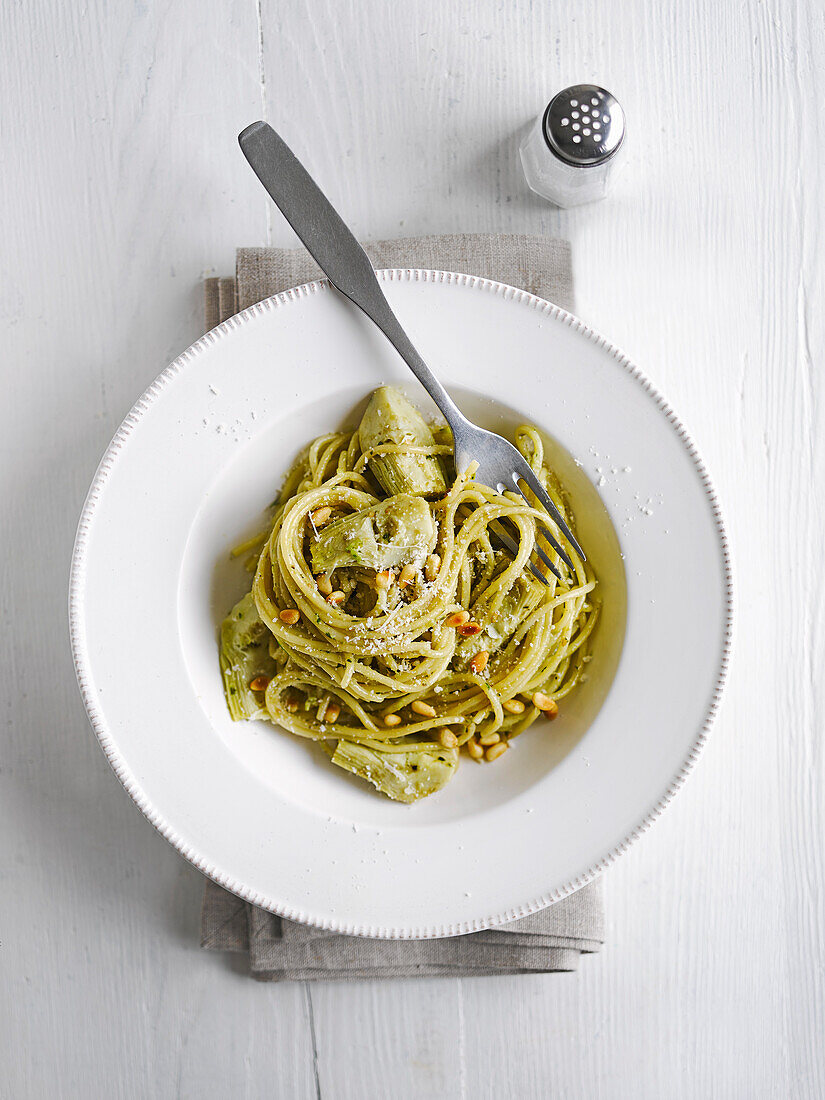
(334, 248)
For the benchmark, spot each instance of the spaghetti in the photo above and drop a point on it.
(393, 628)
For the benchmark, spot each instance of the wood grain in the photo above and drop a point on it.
(121, 186)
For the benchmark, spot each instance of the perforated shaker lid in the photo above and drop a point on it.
(584, 124)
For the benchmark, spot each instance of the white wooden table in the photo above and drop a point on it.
(121, 186)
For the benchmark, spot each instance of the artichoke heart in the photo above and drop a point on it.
(390, 419)
(394, 532)
(403, 776)
(519, 603)
(245, 656)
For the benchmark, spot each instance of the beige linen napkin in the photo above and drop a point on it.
(281, 950)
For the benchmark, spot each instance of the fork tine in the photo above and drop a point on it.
(537, 550)
(511, 547)
(541, 493)
(547, 561)
(547, 534)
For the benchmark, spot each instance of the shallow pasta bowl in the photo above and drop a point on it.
(188, 476)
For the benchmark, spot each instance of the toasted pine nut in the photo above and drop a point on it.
(489, 739)
(513, 706)
(431, 567)
(545, 703)
(407, 575)
(290, 616)
(457, 618)
(383, 579)
(495, 751)
(469, 630)
(336, 598)
(291, 704)
(324, 584)
(479, 662)
(474, 749)
(259, 683)
(321, 516)
(447, 738)
(333, 710)
(424, 709)
(392, 720)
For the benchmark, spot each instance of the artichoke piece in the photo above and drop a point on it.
(396, 531)
(402, 776)
(519, 603)
(390, 419)
(244, 656)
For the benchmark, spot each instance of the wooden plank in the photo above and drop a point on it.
(399, 1038)
(122, 185)
(692, 267)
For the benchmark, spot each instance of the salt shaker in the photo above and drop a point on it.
(573, 152)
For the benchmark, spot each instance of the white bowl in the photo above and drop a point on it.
(188, 475)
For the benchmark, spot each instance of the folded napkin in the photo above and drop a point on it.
(282, 950)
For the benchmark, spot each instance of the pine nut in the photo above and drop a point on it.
(290, 616)
(545, 703)
(324, 584)
(447, 738)
(336, 598)
(495, 751)
(260, 683)
(424, 709)
(457, 618)
(474, 749)
(469, 630)
(320, 516)
(431, 567)
(383, 579)
(407, 575)
(514, 706)
(392, 720)
(489, 739)
(333, 711)
(479, 662)
(291, 704)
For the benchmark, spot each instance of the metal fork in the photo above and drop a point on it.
(340, 256)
